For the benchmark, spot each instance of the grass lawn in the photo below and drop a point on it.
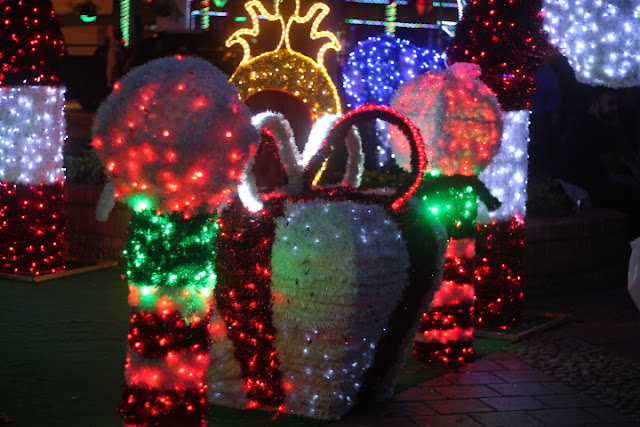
(62, 351)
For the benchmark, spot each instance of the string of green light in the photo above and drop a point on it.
(170, 251)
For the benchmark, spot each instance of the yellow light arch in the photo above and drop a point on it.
(284, 68)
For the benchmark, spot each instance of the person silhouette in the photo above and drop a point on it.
(116, 57)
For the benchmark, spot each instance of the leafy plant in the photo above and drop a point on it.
(85, 168)
(547, 197)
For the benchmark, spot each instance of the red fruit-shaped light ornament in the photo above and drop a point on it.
(174, 132)
(458, 116)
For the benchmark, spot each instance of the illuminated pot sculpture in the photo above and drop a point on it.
(320, 289)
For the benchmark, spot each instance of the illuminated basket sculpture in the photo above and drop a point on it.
(320, 290)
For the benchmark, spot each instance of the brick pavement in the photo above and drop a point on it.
(496, 390)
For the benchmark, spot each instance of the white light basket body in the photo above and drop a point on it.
(339, 270)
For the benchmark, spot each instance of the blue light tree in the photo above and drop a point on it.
(379, 65)
(375, 69)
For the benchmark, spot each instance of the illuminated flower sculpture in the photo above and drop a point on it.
(32, 134)
(174, 137)
(599, 38)
(458, 116)
(504, 37)
(461, 122)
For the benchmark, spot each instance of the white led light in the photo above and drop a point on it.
(588, 34)
(32, 134)
(506, 175)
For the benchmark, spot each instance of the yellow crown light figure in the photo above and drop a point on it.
(284, 68)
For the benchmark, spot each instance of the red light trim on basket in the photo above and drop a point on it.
(370, 112)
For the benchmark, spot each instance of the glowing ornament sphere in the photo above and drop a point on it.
(458, 116)
(379, 65)
(174, 136)
(601, 39)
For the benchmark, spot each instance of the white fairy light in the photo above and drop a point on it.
(588, 34)
(506, 175)
(32, 134)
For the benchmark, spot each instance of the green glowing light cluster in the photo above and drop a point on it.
(455, 207)
(169, 251)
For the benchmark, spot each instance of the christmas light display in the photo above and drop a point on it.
(391, 14)
(148, 130)
(458, 116)
(32, 219)
(206, 21)
(375, 69)
(599, 38)
(504, 37)
(32, 134)
(500, 275)
(174, 136)
(280, 133)
(397, 24)
(507, 39)
(293, 279)
(380, 65)
(506, 176)
(170, 266)
(283, 68)
(32, 127)
(125, 21)
(462, 123)
(446, 331)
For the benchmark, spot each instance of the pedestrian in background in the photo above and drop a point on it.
(116, 57)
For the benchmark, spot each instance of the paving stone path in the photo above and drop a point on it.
(496, 390)
(590, 369)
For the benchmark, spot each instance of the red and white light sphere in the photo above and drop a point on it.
(458, 116)
(175, 132)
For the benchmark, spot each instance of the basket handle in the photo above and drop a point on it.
(355, 159)
(288, 154)
(364, 114)
(291, 158)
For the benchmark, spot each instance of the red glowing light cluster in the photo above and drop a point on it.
(32, 222)
(506, 38)
(459, 118)
(181, 407)
(368, 112)
(175, 131)
(167, 361)
(446, 331)
(499, 274)
(33, 49)
(168, 339)
(243, 297)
